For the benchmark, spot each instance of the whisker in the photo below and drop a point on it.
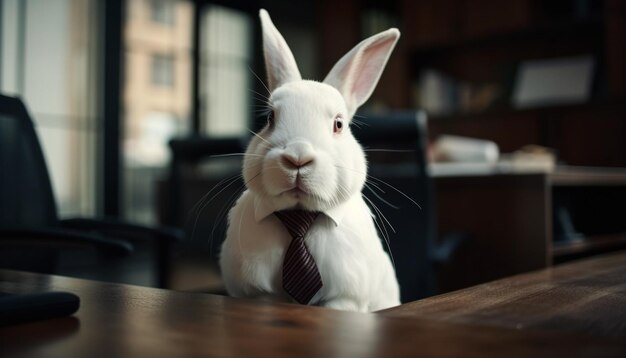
(379, 223)
(257, 135)
(262, 100)
(235, 155)
(239, 231)
(381, 198)
(359, 123)
(211, 199)
(383, 231)
(396, 189)
(223, 212)
(229, 204)
(261, 96)
(383, 182)
(354, 170)
(356, 124)
(259, 111)
(261, 81)
(390, 150)
(382, 215)
(344, 194)
(201, 204)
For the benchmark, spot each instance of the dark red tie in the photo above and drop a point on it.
(301, 278)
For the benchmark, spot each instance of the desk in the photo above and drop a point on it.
(121, 321)
(510, 218)
(587, 296)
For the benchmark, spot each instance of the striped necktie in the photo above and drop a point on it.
(301, 278)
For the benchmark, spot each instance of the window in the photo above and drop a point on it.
(163, 11)
(156, 98)
(162, 70)
(225, 96)
(50, 59)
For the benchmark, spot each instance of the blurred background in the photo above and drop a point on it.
(539, 83)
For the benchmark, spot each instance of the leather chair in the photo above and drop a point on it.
(34, 238)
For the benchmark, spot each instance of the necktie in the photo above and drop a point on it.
(301, 278)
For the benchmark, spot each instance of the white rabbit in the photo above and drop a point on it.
(306, 158)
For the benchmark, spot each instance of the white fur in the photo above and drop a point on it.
(330, 173)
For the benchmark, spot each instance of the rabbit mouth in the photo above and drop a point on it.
(297, 192)
(304, 198)
(299, 189)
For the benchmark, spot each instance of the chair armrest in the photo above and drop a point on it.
(124, 229)
(54, 239)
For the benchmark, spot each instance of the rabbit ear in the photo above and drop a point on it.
(279, 61)
(356, 74)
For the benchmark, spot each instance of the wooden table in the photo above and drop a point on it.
(587, 296)
(575, 310)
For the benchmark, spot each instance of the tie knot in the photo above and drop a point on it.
(297, 222)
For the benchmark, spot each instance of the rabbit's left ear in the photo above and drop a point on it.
(356, 74)
(279, 61)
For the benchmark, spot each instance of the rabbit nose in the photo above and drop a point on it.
(297, 155)
(293, 162)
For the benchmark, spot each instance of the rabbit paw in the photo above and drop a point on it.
(345, 304)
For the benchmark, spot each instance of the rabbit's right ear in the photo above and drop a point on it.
(356, 74)
(279, 61)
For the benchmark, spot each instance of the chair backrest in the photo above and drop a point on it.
(395, 144)
(26, 198)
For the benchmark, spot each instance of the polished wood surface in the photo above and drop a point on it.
(604, 242)
(587, 297)
(121, 320)
(588, 176)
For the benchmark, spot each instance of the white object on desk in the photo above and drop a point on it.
(451, 148)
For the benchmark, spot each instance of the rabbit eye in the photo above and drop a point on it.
(338, 125)
(270, 118)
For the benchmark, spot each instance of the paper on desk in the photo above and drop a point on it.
(451, 148)
(529, 159)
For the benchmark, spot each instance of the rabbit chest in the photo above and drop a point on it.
(346, 249)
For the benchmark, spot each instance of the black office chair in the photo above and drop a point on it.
(32, 237)
(186, 205)
(396, 147)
